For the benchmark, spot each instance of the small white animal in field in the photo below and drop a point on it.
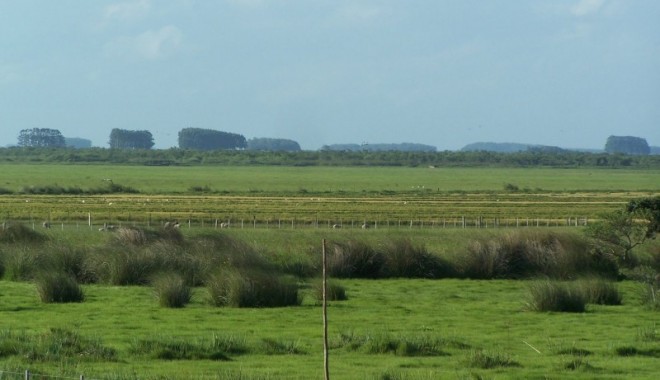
(46, 224)
(224, 225)
(336, 226)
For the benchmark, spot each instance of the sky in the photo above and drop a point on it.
(444, 73)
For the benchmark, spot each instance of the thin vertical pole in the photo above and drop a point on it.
(326, 369)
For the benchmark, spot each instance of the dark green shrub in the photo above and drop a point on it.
(406, 260)
(171, 290)
(252, 288)
(355, 259)
(56, 287)
(556, 296)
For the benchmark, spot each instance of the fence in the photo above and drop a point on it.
(27, 375)
(374, 223)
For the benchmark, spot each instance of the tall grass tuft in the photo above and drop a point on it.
(335, 291)
(20, 233)
(171, 290)
(57, 287)
(355, 259)
(252, 288)
(599, 291)
(21, 263)
(532, 253)
(556, 296)
(487, 360)
(407, 260)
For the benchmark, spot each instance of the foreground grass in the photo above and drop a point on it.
(406, 328)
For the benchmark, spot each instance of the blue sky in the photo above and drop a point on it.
(445, 73)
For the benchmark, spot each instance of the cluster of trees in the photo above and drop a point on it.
(209, 139)
(125, 139)
(627, 144)
(41, 137)
(176, 156)
(405, 147)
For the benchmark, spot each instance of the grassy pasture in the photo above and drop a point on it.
(327, 195)
(459, 317)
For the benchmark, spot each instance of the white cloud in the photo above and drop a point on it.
(148, 45)
(127, 10)
(585, 7)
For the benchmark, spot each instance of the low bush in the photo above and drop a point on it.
(252, 288)
(57, 287)
(556, 296)
(171, 290)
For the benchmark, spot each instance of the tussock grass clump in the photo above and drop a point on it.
(335, 291)
(556, 296)
(55, 345)
(355, 259)
(124, 265)
(407, 260)
(525, 254)
(20, 233)
(169, 348)
(171, 290)
(57, 287)
(252, 288)
(270, 346)
(487, 360)
(20, 264)
(600, 292)
(634, 351)
(385, 343)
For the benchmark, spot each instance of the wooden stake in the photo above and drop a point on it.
(326, 369)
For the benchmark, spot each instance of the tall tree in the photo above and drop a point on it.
(627, 144)
(41, 137)
(125, 139)
(209, 139)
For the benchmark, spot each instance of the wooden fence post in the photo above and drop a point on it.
(326, 369)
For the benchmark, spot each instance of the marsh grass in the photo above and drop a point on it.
(488, 359)
(57, 287)
(20, 233)
(170, 348)
(355, 259)
(556, 296)
(599, 291)
(20, 263)
(335, 291)
(399, 345)
(171, 290)
(57, 344)
(405, 259)
(269, 346)
(252, 288)
(527, 254)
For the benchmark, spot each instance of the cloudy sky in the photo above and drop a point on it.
(439, 72)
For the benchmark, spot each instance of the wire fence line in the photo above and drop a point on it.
(28, 375)
(254, 223)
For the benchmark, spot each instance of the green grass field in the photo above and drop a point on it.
(269, 195)
(387, 329)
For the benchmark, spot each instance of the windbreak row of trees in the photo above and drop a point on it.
(189, 138)
(185, 157)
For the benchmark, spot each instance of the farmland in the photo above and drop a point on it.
(319, 195)
(453, 322)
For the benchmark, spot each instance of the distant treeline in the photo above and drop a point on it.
(185, 157)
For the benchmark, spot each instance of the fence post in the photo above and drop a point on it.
(27, 374)
(326, 369)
